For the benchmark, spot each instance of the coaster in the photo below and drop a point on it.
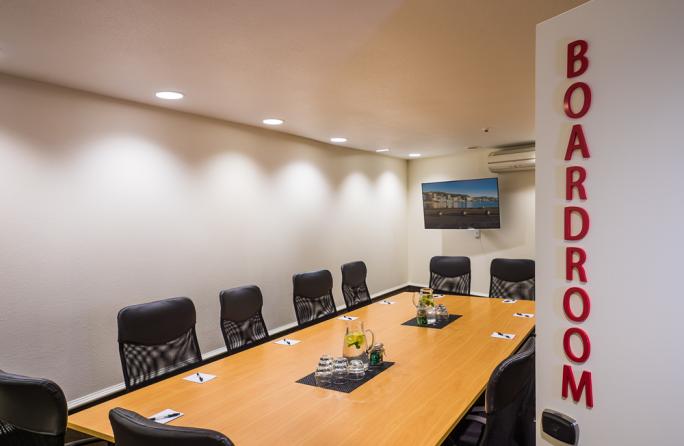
(439, 325)
(349, 385)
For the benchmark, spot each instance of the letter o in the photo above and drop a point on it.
(586, 103)
(586, 344)
(586, 304)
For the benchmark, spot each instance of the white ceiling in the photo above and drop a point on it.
(414, 75)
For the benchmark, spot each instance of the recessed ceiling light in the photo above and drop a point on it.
(414, 155)
(382, 150)
(169, 95)
(338, 139)
(273, 121)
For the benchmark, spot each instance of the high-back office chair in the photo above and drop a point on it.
(512, 278)
(131, 429)
(242, 323)
(33, 412)
(450, 275)
(157, 339)
(312, 296)
(354, 288)
(508, 416)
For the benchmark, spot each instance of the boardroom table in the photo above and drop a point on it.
(255, 400)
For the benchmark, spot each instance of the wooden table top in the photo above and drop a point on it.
(254, 399)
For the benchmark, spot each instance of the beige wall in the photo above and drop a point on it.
(106, 203)
(515, 239)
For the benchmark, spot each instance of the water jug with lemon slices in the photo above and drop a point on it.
(355, 342)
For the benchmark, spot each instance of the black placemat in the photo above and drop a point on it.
(439, 324)
(348, 385)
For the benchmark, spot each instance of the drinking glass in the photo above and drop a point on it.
(356, 370)
(442, 314)
(339, 374)
(431, 319)
(323, 375)
(324, 371)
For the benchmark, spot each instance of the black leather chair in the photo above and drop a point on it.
(312, 296)
(157, 339)
(242, 323)
(508, 416)
(354, 288)
(512, 279)
(33, 412)
(131, 429)
(450, 275)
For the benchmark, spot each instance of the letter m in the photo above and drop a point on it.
(575, 389)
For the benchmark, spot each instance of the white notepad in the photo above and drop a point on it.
(437, 296)
(509, 301)
(500, 335)
(287, 341)
(387, 302)
(199, 378)
(526, 315)
(166, 416)
(347, 318)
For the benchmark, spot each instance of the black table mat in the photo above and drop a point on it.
(348, 385)
(439, 324)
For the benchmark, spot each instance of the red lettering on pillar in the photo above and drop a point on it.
(575, 264)
(585, 386)
(584, 218)
(577, 141)
(586, 304)
(586, 100)
(586, 344)
(572, 183)
(577, 51)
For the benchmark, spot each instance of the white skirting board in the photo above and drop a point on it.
(80, 401)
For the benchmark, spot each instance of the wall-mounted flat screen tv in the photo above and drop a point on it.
(463, 204)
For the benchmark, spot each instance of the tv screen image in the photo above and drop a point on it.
(462, 204)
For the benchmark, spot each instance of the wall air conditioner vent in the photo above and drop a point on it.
(511, 160)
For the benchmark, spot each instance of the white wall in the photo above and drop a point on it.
(515, 239)
(106, 203)
(634, 131)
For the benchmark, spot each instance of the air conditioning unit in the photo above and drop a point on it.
(512, 160)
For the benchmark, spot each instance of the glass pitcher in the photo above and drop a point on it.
(425, 304)
(425, 297)
(355, 345)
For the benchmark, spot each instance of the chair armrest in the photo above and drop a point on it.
(477, 419)
(85, 441)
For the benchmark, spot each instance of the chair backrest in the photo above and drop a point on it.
(312, 296)
(449, 274)
(157, 339)
(508, 391)
(354, 288)
(242, 323)
(512, 278)
(33, 411)
(131, 429)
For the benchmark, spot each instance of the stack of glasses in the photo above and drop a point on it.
(337, 371)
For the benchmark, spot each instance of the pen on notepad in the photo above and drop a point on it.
(168, 415)
(503, 335)
(287, 341)
(200, 378)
